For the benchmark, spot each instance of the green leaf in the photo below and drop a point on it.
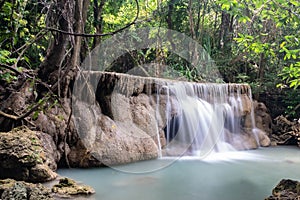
(35, 115)
(295, 3)
(226, 6)
(287, 56)
(282, 44)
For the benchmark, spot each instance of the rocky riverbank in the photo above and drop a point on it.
(99, 134)
(25, 157)
(62, 188)
(286, 132)
(286, 189)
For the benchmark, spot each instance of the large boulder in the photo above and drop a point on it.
(64, 188)
(263, 118)
(58, 132)
(262, 130)
(286, 189)
(20, 190)
(248, 139)
(23, 157)
(104, 141)
(67, 188)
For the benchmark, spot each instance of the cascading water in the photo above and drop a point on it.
(207, 115)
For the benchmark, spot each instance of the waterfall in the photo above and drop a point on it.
(207, 115)
(122, 118)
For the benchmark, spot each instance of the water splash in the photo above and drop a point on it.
(207, 115)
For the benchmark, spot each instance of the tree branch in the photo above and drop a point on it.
(16, 118)
(102, 34)
(13, 67)
(10, 68)
(9, 116)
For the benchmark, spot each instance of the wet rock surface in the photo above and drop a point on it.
(59, 133)
(250, 137)
(120, 119)
(286, 190)
(263, 120)
(107, 142)
(127, 122)
(22, 156)
(68, 188)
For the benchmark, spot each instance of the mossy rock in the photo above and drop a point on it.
(68, 186)
(22, 156)
(19, 190)
(286, 189)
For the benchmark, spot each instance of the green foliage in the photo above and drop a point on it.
(6, 60)
(119, 13)
(253, 41)
(5, 57)
(291, 74)
(20, 22)
(291, 71)
(274, 32)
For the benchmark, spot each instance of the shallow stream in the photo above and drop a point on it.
(246, 175)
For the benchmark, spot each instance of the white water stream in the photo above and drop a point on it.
(206, 113)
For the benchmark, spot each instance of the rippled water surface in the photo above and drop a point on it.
(248, 175)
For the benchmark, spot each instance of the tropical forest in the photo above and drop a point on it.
(150, 99)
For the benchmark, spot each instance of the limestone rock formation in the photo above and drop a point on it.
(248, 139)
(59, 132)
(286, 189)
(133, 113)
(68, 187)
(285, 131)
(51, 153)
(65, 188)
(263, 130)
(20, 190)
(122, 119)
(22, 156)
(263, 119)
(107, 142)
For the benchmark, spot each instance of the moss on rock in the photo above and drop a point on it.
(68, 186)
(22, 156)
(19, 190)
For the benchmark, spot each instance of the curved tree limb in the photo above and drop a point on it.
(102, 34)
(16, 118)
(10, 68)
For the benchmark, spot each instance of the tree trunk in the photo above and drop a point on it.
(170, 22)
(224, 30)
(191, 19)
(98, 9)
(57, 47)
(60, 64)
(169, 16)
(80, 17)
